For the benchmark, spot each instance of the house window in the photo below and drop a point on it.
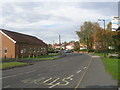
(34, 50)
(30, 50)
(41, 49)
(22, 51)
(44, 49)
(38, 50)
(5, 50)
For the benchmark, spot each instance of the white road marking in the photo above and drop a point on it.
(84, 68)
(79, 71)
(7, 86)
(70, 76)
(54, 85)
(18, 74)
(47, 80)
(83, 75)
(53, 81)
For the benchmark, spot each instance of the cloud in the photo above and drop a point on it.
(47, 20)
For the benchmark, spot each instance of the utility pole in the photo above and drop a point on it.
(60, 44)
(53, 45)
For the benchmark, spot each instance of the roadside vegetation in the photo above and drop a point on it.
(103, 42)
(15, 63)
(50, 55)
(7, 65)
(112, 66)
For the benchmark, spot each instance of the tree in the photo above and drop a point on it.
(85, 34)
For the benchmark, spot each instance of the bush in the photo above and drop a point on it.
(83, 50)
(91, 50)
(98, 51)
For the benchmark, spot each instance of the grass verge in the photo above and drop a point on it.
(8, 65)
(112, 66)
(43, 56)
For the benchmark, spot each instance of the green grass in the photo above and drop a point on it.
(43, 56)
(11, 64)
(99, 54)
(111, 66)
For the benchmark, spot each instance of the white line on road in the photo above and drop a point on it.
(7, 86)
(79, 71)
(47, 80)
(54, 85)
(18, 74)
(70, 76)
(83, 75)
(53, 81)
(84, 68)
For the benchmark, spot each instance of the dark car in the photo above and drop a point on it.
(67, 51)
(56, 51)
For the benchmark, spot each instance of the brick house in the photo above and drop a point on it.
(17, 45)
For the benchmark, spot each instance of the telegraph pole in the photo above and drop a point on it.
(53, 45)
(60, 44)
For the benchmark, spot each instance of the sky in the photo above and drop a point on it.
(48, 20)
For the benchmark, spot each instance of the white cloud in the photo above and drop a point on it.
(48, 20)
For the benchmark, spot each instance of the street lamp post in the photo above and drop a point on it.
(104, 36)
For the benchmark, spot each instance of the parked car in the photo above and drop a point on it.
(67, 51)
(56, 51)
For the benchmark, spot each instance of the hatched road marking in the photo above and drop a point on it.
(79, 71)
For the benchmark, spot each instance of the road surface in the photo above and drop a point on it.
(71, 71)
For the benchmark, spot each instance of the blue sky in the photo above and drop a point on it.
(46, 20)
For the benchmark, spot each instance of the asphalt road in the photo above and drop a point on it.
(66, 72)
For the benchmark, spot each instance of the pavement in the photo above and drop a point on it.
(75, 70)
(97, 77)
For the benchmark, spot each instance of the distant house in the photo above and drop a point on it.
(57, 46)
(70, 46)
(83, 46)
(17, 45)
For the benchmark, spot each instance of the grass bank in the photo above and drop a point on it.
(42, 56)
(8, 65)
(112, 66)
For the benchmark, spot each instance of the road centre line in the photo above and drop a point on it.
(79, 71)
(18, 74)
(83, 75)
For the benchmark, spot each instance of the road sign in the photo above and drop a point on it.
(115, 23)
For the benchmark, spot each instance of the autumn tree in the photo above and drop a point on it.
(85, 34)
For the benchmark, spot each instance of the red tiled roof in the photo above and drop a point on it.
(57, 45)
(23, 38)
(70, 44)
